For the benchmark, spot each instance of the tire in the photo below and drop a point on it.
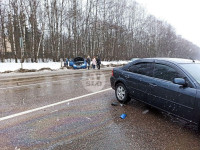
(121, 93)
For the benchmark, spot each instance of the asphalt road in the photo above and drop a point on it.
(67, 110)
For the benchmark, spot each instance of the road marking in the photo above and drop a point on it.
(41, 83)
(51, 105)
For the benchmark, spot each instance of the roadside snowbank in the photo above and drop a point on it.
(114, 62)
(30, 66)
(7, 67)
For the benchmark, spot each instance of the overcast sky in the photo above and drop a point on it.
(184, 15)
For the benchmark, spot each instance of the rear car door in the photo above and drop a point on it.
(137, 76)
(171, 97)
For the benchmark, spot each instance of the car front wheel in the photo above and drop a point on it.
(122, 93)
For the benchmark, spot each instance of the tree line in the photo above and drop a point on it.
(59, 29)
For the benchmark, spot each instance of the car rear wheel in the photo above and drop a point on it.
(122, 93)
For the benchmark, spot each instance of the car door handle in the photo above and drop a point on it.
(152, 84)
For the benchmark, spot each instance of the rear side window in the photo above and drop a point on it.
(142, 68)
(165, 72)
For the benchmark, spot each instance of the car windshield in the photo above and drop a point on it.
(194, 70)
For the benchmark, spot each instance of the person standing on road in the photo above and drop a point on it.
(98, 62)
(94, 62)
(88, 60)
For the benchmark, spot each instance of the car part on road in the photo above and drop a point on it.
(123, 116)
(114, 104)
(145, 112)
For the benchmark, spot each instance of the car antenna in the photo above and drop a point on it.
(192, 59)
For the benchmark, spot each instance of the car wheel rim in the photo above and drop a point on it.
(120, 93)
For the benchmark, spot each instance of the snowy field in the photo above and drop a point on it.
(10, 66)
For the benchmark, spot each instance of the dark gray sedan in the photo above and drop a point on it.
(169, 84)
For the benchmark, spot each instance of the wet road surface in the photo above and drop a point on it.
(89, 122)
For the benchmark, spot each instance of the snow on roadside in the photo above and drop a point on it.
(5, 67)
(16, 66)
(114, 62)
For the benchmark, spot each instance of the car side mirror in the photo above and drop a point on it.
(180, 81)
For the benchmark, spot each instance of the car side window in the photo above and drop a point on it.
(165, 72)
(142, 68)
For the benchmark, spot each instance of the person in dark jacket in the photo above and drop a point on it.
(66, 62)
(88, 60)
(98, 62)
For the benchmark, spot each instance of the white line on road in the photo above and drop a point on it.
(51, 105)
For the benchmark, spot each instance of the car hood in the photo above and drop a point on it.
(78, 59)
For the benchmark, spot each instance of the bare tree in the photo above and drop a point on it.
(114, 29)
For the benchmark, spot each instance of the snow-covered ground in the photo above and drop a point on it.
(10, 66)
(16, 66)
(114, 62)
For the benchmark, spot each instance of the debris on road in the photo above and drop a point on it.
(54, 111)
(17, 148)
(145, 112)
(114, 104)
(88, 118)
(121, 105)
(123, 116)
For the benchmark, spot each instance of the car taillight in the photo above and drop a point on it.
(112, 72)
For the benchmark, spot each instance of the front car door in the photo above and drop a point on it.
(171, 97)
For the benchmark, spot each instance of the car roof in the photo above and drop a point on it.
(172, 60)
